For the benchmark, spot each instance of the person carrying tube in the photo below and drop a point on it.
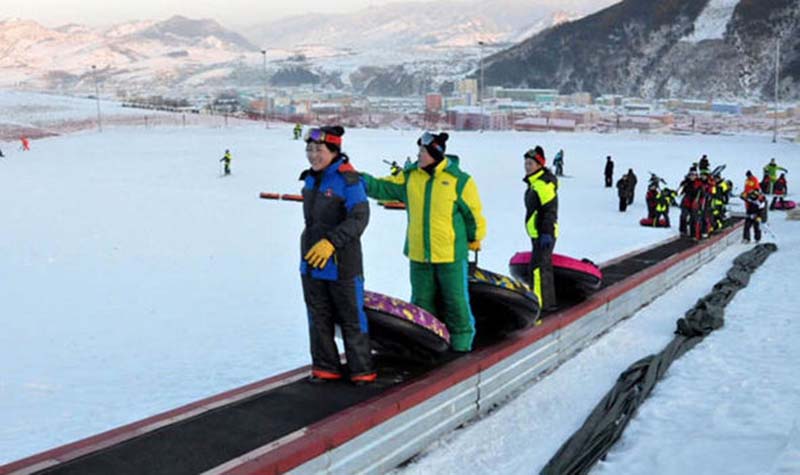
(336, 212)
(226, 159)
(445, 222)
(541, 222)
(779, 190)
(754, 204)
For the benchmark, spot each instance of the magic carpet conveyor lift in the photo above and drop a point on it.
(286, 424)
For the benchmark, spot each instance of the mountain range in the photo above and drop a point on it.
(664, 48)
(186, 54)
(689, 48)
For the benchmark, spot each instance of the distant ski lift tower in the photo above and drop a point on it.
(97, 98)
(777, 79)
(264, 55)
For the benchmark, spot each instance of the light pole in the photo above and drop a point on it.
(97, 97)
(481, 86)
(264, 55)
(777, 79)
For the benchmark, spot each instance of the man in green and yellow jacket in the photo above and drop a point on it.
(445, 222)
(541, 222)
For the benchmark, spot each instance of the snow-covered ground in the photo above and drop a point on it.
(133, 279)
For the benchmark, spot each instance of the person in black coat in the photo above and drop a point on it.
(336, 213)
(609, 171)
(632, 181)
(623, 188)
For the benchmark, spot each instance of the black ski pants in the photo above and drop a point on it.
(756, 225)
(331, 303)
(541, 272)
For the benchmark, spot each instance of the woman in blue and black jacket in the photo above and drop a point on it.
(336, 213)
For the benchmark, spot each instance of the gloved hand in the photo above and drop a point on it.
(545, 241)
(758, 219)
(474, 246)
(319, 253)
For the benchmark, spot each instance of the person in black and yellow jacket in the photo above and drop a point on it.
(445, 221)
(336, 212)
(226, 159)
(541, 222)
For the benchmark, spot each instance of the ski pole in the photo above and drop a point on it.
(769, 230)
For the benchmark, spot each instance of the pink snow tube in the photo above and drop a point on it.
(569, 273)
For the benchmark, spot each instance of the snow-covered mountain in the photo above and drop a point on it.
(137, 55)
(688, 48)
(420, 26)
(429, 41)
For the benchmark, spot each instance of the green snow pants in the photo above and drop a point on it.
(442, 290)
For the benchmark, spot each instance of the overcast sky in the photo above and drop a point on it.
(230, 13)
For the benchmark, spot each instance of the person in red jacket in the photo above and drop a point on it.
(779, 190)
(751, 183)
(26, 145)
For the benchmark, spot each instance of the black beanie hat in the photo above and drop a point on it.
(537, 154)
(437, 146)
(336, 131)
(330, 136)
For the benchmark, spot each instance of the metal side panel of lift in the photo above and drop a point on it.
(394, 441)
(383, 447)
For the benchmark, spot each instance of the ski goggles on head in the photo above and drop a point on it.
(428, 138)
(317, 135)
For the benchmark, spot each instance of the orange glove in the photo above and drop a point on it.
(474, 246)
(319, 253)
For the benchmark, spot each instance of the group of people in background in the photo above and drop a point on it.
(445, 222)
(703, 197)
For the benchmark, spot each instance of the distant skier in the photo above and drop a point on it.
(298, 131)
(26, 144)
(227, 160)
(558, 163)
(609, 171)
(1, 153)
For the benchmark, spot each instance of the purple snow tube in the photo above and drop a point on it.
(400, 329)
(574, 278)
(500, 304)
